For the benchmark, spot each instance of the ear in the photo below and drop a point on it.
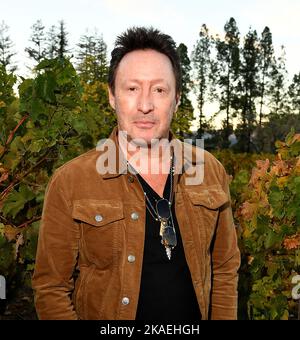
(177, 101)
(111, 97)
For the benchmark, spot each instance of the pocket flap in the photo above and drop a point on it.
(212, 197)
(97, 212)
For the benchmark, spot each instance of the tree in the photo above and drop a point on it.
(204, 75)
(7, 97)
(92, 68)
(184, 116)
(86, 58)
(278, 87)
(294, 94)
(6, 51)
(185, 64)
(62, 40)
(97, 112)
(228, 56)
(92, 62)
(101, 58)
(57, 41)
(38, 51)
(266, 60)
(249, 91)
(52, 43)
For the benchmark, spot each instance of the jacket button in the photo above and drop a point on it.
(130, 179)
(98, 218)
(134, 216)
(131, 258)
(125, 301)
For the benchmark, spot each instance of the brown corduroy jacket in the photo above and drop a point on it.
(94, 224)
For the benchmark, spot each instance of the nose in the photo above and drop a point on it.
(145, 103)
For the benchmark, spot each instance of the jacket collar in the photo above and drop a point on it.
(185, 158)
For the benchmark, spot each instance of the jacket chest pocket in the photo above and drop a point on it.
(101, 222)
(206, 202)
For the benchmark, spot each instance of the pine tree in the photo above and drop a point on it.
(38, 51)
(184, 115)
(278, 87)
(266, 61)
(249, 91)
(6, 49)
(57, 41)
(62, 50)
(92, 68)
(202, 62)
(52, 42)
(294, 95)
(91, 58)
(85, 59)
(228, 56)
(186, 77)
(101, 67)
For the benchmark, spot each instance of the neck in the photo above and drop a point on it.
(148, 160)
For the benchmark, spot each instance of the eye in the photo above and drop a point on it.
(132, 88)
(159, 90)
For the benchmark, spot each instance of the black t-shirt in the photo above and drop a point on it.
(166, 292)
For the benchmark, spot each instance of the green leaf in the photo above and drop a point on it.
(277, 201)
(271, 239)
(25, 93)
(29, 249)
(37, 107)
(1, 229)
(46, 63)
(30, 266)
(262, 224)
(45, 86)
(12, 160)
(79, 125)
(273, 269)
(295, 149)
(37, 145)
(40, 197)
(67, 75)
(7, 257)
(16, 201)
(290, 135)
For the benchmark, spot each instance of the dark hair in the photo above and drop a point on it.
(141, 38)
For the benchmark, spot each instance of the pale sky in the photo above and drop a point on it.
(180, 19)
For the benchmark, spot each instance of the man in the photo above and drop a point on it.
(147, 244)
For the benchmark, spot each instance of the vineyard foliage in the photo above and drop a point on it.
(269, 227)
(57, 116)
(239, 167)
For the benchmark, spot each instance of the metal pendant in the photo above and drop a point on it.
(163, 225)
(169, 236)
(169, 252)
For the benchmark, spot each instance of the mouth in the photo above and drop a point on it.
(142, 124)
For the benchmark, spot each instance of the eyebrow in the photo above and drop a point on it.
(153, 81)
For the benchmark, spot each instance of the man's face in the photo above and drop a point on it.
(145, 95)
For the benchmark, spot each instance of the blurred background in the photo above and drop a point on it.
(241, 94)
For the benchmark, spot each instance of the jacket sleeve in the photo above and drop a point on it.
(56, 255)
(225, 262)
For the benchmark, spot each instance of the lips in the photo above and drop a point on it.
(142, 124)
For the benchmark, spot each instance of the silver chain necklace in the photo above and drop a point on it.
(167, 229)
(155, 215)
